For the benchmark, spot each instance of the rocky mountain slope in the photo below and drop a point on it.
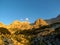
(54, 20)
(23, 33)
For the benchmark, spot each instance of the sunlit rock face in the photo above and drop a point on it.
(40, 22)
(18, 25)
(3, 25)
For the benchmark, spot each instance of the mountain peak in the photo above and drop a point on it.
(40, 22)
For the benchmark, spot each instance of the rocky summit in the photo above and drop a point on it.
(40, 22)
(24, 33)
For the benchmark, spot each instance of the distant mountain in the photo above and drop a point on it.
(40, 22)
(54, 20)
(20, 25)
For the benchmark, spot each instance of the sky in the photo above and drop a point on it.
(30, 10)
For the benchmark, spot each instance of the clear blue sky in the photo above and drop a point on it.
(11, 10)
